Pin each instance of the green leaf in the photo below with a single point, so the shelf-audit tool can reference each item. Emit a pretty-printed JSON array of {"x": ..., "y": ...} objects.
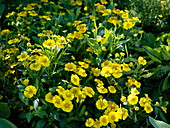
[
  {"x": 6, "y": 124},
  {"x": 55, "y": 115},
  {"x": 40, "y": 124},
  {"x": 4, "y": 110},
  {"x": 153, "y": 54},
  {"x": 151, "y": 39},
  {"x": 2, "y": 7},
  {"x": 23, "y": 98},
  {"x": 82, "y": 111},
  {"x": 158, "y": 124},
  {"x": 63, "y": 120},
  {"x": 166, "y": 83},
  {"x": 29, "y": 116}
]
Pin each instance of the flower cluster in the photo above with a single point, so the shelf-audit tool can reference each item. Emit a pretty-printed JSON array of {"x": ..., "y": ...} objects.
[{"x": 73, "y": 66}]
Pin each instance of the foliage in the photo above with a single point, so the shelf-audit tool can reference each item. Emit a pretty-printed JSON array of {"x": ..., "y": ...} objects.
[
  {"x": 4, "y": 113},
  {"x": 73, "y": 64}
]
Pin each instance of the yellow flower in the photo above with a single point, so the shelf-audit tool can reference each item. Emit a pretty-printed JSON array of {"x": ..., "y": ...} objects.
[
  {"x": 128, "y": 25},
  {"x": 103, "y": 1},
  {"x": 23, "y": 56},
  {"x": 148, "y": 108},
  {"x": 102, "y": 90},
  {"x": 82, "y": 72},
  {"x": 30, "y": 91},
  {"x": 67, "y": 106},
  {"x": 117, "y": 74},
  {"x": 44, "y": 61},
  {"x": 141, "y": 60},
  {"x": 60, "y": 90},
  {"x": 49, "y": 97},
  {"x": 89, "y": 122},
  {"x": 81, "y": 28},
  {"x": 132, "y": 99},
  {"x": 88, "y": 91},
  {"x": 78, "y": 35},
  {"x": 106, "y": 71},
  {"x": 124, "y": 113},
  {"x": 134, "y": 91},
  {"x": 5, "y": 32},
  {"x": 57, "y": 101},
  {"x": 70, "y": 67},
  {"x": 96, "y": 71},
  {"x": 83, "y": 64},
  {"x": 104, "y": 120},
  {"x": 68, "y": 95},
  {"x": 101, "y": 104},
  {"x": 26, "y": 81},
  {"x": 35, "y": 66},
  {"x": 96, "y": 124},
  {"x": 75, "y": 79},
  {"x": 112, "y": 89},
  {"x": 164, "y": 109},
  {"x": 33, "y": 57},
  {"x": 123, "y": 99},
  {"x": 49, "y": 43},
  {"x": 160, "y": 16},
  {"x": 125, "y": 67},
  {"x": 75, "y": 90},
  {"x": 112, "y": 117},
  {"x": 142, "y": 101}
]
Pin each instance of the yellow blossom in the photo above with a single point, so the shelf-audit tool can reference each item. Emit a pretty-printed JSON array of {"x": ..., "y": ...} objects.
[
  {"x": 132, "y": 99},
  {"x": 112, "y": 89},
  {"x": 101, "y": 104},
  {"x": 89, "y": 122},
  {"x": 75, "y": 79},
  {"x": 141, "y": 60},
  {"x": 35, "y": 66},
  {"x": 70, "y": 66},
  {"x": 68, "y": 95},
  {"x": 88, "y": 91},
  {"x": 30, "y": 91},
  {"x": 44, "y": 61},
  {"x": 67, "y": 106},
  {"x": 104, "y": 120},
  {"x": 57, "y": 101},
  {"x": 49, "y": 97}
]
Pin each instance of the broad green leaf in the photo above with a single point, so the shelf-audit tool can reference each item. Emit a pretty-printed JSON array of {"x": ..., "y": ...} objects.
[
  {"x": 29, "y": 116},
  {"x": 2, "y": 7},
  {"x": 4, "y": 110},
  {"x": 158, "y": 124},
  {"x": 82, "y": 111},
  {"x": 40, "y": 124},
  {"x": 153, "y": 54},
  {"x": 166, "y": 83},
  {"x": 6, "y": 124}
]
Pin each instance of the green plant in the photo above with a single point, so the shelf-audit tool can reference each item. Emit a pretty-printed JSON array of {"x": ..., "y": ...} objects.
[{"x": 4, "y": 113}]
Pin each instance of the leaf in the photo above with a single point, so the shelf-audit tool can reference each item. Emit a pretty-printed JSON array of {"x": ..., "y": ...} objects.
[
  {"x": 82, "y": 111},
  {"x": 4, "y": 110},
  {"x": 55, "y": 115},
  {"x": 6, "y": 124},
  {"x": 29, "y": 116},
  {"x": 2, "y": 7},
  {"x": 166, "y": 83},
  {"x": 40, "y": 124},
  {"x": 63, "y": 120},
  {"x": 158, "y": 124},
  {"x": 151, "y": 39},
  {"x": 153, "y": 54},
  {"x": 23, "y": 99}
]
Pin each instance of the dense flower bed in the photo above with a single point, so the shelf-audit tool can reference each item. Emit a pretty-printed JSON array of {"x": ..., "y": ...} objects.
[{"x": 72, "y": 65}]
